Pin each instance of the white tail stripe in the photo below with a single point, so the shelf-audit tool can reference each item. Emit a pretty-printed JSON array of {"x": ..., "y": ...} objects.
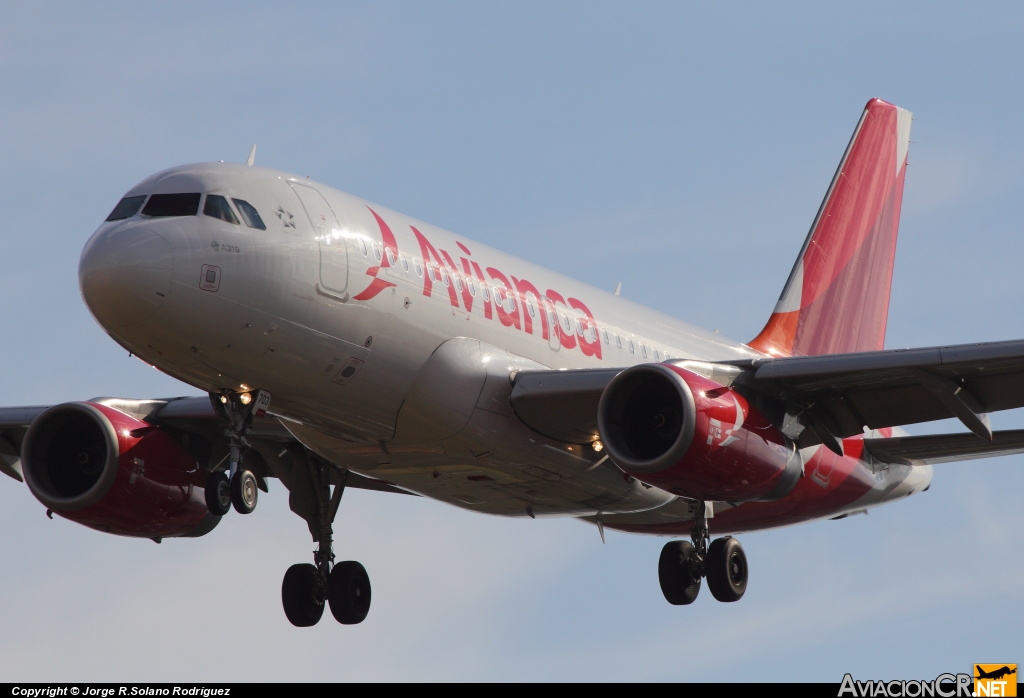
[{"x": 903, "y": 119}]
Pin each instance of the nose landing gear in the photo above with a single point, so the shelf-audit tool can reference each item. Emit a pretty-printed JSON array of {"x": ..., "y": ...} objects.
[
  {"x": 683, "y": 564},
  {"x": 238, "y": 487}
]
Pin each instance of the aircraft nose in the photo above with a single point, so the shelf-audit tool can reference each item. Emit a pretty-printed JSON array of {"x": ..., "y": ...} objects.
[{"x": 125, "y": 273}]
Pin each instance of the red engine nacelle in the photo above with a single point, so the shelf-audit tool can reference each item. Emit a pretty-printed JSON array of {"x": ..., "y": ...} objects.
[
  {"x": 680, "y": 431},
  {"x": 105, "y": 469}
]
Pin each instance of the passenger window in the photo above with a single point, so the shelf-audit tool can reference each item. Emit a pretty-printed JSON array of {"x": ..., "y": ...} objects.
[
  {"x": 167, "y": 205},
  {"x": 530, "y": 308},
  {"x": 391, "y": 256},
  {"x": 618, "y": 341},
  {"x": 630, "y": 343},
  {"x": 566, "y": 323},
  {"x": 643, "y": 350},
  {"x": 444, "y": 277},
  {"x": 432, "y": 274},
  {"x": 510, "y": 303},
  {"x": 217, "y": 207},
  {"x": 458, "y": 282},
  {"x": 376, "y": 250},
  {"x": 404, "y": 260},
  {"x": 657, "y": 356},
  {"x": 249, "y": 214},
  {"x": 604, "y": 336},
  {"x": 483, "y": 291},
  {"x": 362, "y": 246},
  {"x": 589, "y": 334},
  {"x": 472, "y": 287},
  {"x": 418, "y": 266},
  {"x": 126, "y": 208}
]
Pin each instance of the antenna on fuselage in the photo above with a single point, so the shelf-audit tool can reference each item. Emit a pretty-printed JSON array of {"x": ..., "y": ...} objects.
[
  {"x": 252, "y": 156},
  {"x": 618, "y": 286}
]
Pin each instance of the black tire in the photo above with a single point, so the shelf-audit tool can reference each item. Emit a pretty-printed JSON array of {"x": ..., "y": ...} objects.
[
  {"x": 678, "y": 583},
  {"x": 218, "y": 493},
  {"x": 348, "y": 591},
  {"x": 303, "y": 602},
  {"x": 726, "y": 569},
  {"x": 244, "y": 491}
]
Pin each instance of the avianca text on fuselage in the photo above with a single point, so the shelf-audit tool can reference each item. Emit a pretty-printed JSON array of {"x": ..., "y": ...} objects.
[{"x": 509, "y": 298}]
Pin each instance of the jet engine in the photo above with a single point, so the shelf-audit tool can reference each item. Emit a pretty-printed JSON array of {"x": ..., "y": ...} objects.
[
  {"x": 676, "y": 429},
  {"x": 102, "y": 468}
]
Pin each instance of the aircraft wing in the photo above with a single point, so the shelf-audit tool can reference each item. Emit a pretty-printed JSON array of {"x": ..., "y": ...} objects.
[
  {"x": 944, "y": 448},
  {"x": 825, "y": 398},
  {"x": 838, "y": 395},
  {"x": 184, "y": 415}
]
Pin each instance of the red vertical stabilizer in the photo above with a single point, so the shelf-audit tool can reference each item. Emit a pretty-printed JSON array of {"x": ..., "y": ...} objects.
[{"x": 837, "y": 297}]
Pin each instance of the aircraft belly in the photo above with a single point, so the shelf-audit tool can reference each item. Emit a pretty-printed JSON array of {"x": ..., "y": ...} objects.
[
  {"x": 829, "y": 489},
  {"x": 494, "y": 465}
]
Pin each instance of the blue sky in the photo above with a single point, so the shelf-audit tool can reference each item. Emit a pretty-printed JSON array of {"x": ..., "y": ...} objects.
[{"x": 681, "y": 148}]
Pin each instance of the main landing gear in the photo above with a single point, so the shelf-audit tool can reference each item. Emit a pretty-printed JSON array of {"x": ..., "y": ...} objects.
[
  {"x": 238, "y": 486},
  {"x": 683, "y": 564},
  {"x": 345, "y": 586}
]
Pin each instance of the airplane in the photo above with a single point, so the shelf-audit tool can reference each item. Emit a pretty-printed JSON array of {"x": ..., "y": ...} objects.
[
  {"x": 339, "y": 344},
  {"x": 996, "y": 673}
]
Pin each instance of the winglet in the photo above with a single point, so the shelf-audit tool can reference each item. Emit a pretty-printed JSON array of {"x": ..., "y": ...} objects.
[
  {"x": 252, "y": 156},
  {"x": 837, "y": 297}
]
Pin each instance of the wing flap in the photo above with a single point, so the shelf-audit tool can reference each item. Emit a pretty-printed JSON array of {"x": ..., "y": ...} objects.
[{"x": 944, "y": 448}]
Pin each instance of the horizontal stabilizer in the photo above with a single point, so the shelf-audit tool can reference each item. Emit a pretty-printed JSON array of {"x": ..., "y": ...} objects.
[{"x": 944, "y": 448}]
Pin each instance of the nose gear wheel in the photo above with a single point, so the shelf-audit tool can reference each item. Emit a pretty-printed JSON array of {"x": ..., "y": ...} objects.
[
  {"x": 244, "y": 491},
  {"x": 218, "y": 493}
]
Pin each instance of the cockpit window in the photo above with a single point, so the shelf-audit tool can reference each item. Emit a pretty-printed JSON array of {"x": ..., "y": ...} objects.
[
  {"x": 172, "y": 205},
  {"x": 126, "y": 208},
  {"x": 218, "y": 207},
  {"x": 249, "y": 214}
]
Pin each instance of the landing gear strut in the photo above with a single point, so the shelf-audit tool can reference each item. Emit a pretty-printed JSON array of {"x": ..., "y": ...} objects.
[
  {"x": 238, "y": 487},
  {"x": 344, "y": 586},
  {"x": 683, "y": 564}
]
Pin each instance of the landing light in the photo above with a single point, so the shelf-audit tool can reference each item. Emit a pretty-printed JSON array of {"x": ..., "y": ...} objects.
[
  {"x": 224, "y": 399},
  {"x": 245, "y": 398},
  {"x": 597, "y": 446}
]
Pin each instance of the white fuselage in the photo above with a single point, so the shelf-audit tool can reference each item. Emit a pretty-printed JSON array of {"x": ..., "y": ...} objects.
[{"x": 386, "y": 343}]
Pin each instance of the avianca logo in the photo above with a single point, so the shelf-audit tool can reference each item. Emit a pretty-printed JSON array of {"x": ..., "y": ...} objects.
[
  {"x": 378, "y": 284},
  {"x": 727, "y": 436},
  {"x": 515, "y": 302}
]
